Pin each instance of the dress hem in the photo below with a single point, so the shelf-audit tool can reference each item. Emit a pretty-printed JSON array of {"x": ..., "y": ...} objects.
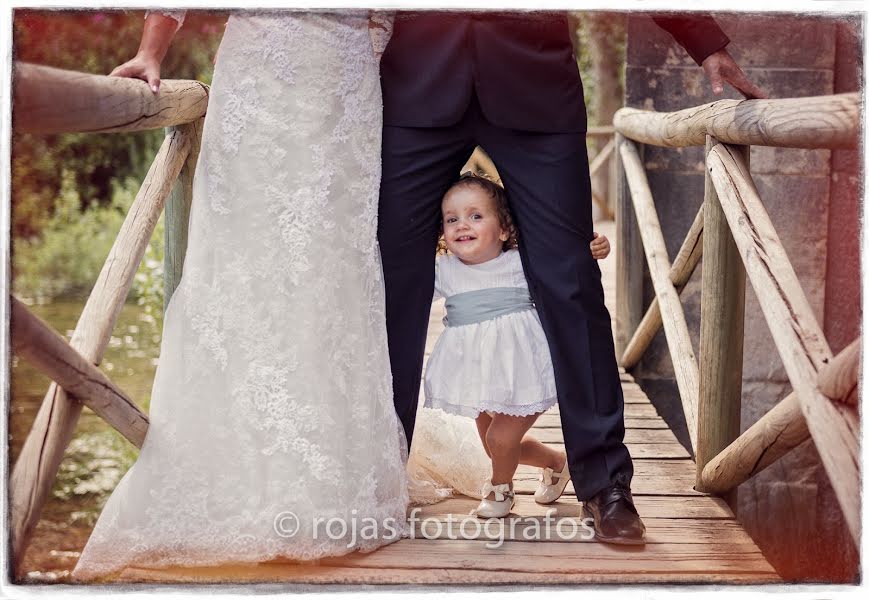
[{"x": 522, "y": 410}]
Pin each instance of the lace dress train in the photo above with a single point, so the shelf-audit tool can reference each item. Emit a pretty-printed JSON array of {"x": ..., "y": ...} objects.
[{"x": 272, "y": 403}]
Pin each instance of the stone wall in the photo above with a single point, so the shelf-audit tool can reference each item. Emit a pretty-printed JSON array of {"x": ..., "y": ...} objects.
[{"x": 812, "y": 198}]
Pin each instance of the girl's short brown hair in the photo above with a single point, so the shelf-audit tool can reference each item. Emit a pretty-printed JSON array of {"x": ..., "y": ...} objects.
[{"x": 502, "y": 207}]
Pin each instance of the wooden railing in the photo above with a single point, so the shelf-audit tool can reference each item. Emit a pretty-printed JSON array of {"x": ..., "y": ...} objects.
[
  {"x": 91, "y": 104},
  {"x": 48, "y": 100},
  {"x": 735, "y": 237},
  {"x": 731, "y": 230}
]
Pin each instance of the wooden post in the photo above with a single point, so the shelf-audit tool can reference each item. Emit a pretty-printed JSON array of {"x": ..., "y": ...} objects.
[
  {"x": 675, "y": 326},
  {"x": 840, "y": 378},
  {"x": 629, "y": 260},
  {"x": 47, "y": 350},
  {"x": 177, "y": 212},
  {"x": 613, "y": 183},
  {"x": 683, "y": 267},
  {"x": 795, "y": 330},
  {"x": 53, "y": 428},
  {"x": 599, "y": 195},
  {"x": 772, "y": 436},
  {"x": 722, "y": 316}
]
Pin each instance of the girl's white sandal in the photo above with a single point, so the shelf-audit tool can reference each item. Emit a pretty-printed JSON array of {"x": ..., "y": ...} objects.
[
  {"x": 548, "y": 492},
  {"x": 500, "y": 506}
]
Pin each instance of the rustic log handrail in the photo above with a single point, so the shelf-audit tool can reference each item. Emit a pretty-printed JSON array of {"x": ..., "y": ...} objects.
[
  {"x": 778, "y": 431},
  {"x": 795, "y": 331},
  {"x": 722, "y": 316},
  {"x": 683, "y": 267},
  {"x": 600, "y": 130},
  {"x": 36, "y": 468},
  {"x": 49, "y": 352},
  {"x": 740, "y": 243},
  {"x": 599, "y": 160},
  {"x": 815, "y": 122},
  {"x": 825, "y": 388},
  {"x": 675, "y": 326},
  {"x": 49, "y": 100},
  {"x": 838, "y": 380}
]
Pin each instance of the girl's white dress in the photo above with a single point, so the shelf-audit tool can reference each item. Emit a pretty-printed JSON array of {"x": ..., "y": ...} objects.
[{"x": 499, "y": 365}]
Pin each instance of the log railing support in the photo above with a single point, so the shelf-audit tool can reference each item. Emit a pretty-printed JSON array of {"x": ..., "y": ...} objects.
[
  {"x": 772, "y": 436},
  {"x": 683, "y": 267},
  {"x": 675, "y": 325},
  {"x": 795, "y": 331},
  {"x": 599, "y": 160},
  {"x": 825, "y": 391},
  {"x": 780, "y": 430},
  {"x": 47, "y": 350},
  {"x": 839, "y": 379},
  {"x": 42, "y": 452},
  {"x": 722, "y": 314},
  {"x": 177, "y": 212},
  {"x": 629, "y": 261}
]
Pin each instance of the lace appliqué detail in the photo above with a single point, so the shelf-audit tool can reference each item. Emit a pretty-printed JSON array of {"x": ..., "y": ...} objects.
[
  {"x": 380, "y": 25},
  {"x": 274, "y": 390}
]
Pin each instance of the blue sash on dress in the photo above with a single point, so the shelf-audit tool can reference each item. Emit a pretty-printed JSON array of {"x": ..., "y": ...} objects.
[{"x": 482, "y": 305}]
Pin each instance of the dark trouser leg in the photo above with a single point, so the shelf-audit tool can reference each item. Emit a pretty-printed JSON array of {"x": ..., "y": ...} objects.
[
  {"x": 547, "y": 182},
  {"x": 419, "y": 164}
]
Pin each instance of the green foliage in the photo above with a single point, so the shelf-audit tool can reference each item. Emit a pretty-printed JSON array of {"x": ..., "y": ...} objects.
[
  {"x": 581, "y": 33},
  {"x": 96, "y": 41},
  {"x": 148, "y": 282},
  {"x": 69, "y": 190},
  {"x": 68, "y": 255},
  {"x": 606, "y": 32},
  {"x": 65, "y": 260},
  {"x": 92, "y": 164}
]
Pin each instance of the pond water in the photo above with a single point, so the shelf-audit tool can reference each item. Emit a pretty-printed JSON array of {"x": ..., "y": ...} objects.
[{"x": 98, "y": 456}]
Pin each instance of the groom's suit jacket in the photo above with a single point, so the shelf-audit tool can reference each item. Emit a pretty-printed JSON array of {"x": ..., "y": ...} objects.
[{"x": 522, "y": 67}]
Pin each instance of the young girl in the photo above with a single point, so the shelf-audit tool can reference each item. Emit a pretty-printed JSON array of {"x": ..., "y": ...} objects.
[{"x": 492, "y": 361}]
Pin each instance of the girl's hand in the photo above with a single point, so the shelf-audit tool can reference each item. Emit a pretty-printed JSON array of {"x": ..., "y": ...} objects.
[
  {"x": 140, "y": 67},
  {"x": 600, "y": 246}
]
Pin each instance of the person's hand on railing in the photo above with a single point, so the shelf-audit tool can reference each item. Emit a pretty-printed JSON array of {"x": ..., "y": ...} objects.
[
  {"x": 720, "y": 68},
  {"x": 156, "y": 38},
  {"x": 141, "y": 67}
]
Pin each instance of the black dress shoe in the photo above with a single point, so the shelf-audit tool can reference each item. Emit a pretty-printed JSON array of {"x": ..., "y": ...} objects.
[{"x": 616, "y": 520}]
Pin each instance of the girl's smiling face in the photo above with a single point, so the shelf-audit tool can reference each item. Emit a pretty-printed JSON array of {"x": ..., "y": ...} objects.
[{"x": 472, "y": 229}]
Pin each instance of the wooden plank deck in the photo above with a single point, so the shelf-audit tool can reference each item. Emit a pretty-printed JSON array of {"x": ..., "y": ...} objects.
[{"x": 691, "y": 537}]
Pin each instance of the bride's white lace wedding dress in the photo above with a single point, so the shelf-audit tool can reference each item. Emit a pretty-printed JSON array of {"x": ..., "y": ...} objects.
[{"x": 273, "y": 393}]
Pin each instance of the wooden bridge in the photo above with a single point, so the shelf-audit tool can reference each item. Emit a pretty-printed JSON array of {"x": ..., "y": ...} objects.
[{"x": 692, "y": 536}]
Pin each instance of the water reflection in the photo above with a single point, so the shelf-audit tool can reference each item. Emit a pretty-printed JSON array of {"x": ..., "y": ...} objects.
[{"x": 98, "y": 456}]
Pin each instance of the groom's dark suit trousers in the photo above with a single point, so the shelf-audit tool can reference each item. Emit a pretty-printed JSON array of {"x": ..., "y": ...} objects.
[
  {"x": 511, "y": 85},
  {"x": 546, "y": 175}
]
